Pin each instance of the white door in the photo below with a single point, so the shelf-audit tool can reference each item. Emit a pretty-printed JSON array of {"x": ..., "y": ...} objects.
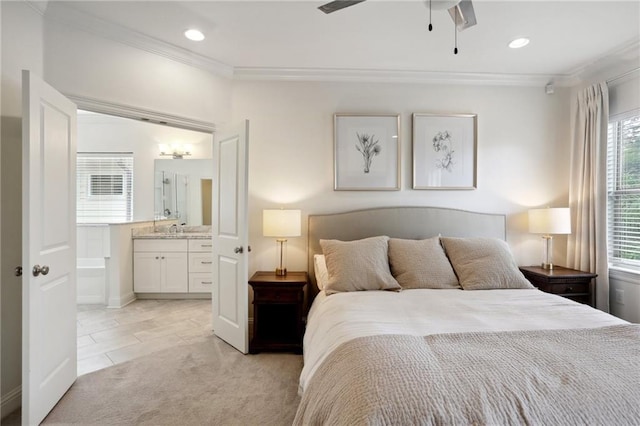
[
  {"x": 230, "y": 228},
  {"x": 48, "y": 247}
]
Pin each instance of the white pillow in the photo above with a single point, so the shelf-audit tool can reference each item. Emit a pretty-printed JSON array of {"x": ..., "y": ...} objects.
[{"x": 320, "y": 268}]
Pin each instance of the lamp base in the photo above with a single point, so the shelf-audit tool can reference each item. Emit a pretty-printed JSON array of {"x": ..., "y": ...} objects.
[
  {"x": 548, "y": 266},
  {"x": 281, "y": 272}
]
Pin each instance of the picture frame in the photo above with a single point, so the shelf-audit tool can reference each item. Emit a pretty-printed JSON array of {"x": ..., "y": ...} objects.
[
  {"x": 444, "y": 151},
  {"x": 366, "y": 152}
]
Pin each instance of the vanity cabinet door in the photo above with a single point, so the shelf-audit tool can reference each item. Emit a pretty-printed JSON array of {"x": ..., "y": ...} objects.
[
  {"x": 175, "y": 273},
  {"x": 146, "y": 272}
]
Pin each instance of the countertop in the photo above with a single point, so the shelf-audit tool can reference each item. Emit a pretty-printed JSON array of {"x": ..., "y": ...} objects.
[{"x": 173, "y": 236}]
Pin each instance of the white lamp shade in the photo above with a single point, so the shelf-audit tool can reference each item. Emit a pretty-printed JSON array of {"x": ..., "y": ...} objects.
[
  {"x": 550, "y": 221},
  {"x": 281, "y": 223}
]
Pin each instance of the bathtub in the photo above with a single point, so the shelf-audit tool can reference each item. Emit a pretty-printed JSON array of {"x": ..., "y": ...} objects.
[{"x": 92, "y": 282}]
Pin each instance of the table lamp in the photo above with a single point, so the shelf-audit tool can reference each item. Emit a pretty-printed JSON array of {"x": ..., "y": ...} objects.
[
  {"x": 280, "y": 224},
  {"x": 547, "y": 222}
]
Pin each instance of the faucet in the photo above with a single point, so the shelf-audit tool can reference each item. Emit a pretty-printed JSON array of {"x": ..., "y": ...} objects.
[
  {"x": 181, "y": 227},
  {"x": 173, "y": 229}
]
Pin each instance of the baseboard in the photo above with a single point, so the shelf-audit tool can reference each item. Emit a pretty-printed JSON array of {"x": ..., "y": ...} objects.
[
  {"x": 121, "y": 301},
  {"x": 173, "y": 296},
  {"x": 11, "y": 401}
]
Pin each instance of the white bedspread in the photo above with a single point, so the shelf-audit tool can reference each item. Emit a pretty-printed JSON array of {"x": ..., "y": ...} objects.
[{"x": 341, "y": 317}]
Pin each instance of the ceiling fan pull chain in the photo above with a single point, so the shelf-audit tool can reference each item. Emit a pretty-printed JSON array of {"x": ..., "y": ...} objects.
[
  {"x": 455, "y": 33},
  {"x": 430, "y": 26}
]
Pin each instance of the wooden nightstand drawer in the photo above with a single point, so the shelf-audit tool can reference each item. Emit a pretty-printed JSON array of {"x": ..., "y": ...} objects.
[
  {"x": 569, "y": 288},
  {"x": 276, "y": 295},
  {"x": 569, "y": 283}
]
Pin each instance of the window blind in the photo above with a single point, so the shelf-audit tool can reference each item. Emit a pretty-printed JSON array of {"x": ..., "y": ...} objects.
[
  {"x": 104, "y": 187},
  {"x": 623, "y": 189}
]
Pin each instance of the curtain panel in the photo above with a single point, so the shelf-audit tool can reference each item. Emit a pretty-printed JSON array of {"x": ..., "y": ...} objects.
[{"x": 587, "y": 248}]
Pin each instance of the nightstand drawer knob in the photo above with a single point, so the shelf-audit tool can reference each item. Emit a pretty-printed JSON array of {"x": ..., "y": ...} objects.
[{"x": 569, "y": 290}]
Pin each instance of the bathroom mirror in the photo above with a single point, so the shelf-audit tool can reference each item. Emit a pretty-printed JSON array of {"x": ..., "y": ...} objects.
[{"x": 182, "y": 190}]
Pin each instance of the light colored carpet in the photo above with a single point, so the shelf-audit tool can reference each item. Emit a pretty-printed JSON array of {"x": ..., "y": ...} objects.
[{"x": 206, "y": 383}]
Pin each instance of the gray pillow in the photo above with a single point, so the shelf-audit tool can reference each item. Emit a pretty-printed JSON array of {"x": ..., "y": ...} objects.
[
  {"x": 421, "y": 264},
  {"x": 358, "y": 265},
  {"x": 484, "y": 263}
]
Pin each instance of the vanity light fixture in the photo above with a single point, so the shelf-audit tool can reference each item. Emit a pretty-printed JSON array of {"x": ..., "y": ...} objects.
[
  {"x": 176, "y": 151},
  {"x": 518, "y": 43},
  {"x": 194, "y": 35}
]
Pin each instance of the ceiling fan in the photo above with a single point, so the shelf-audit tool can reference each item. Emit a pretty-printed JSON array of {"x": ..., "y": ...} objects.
[{"x": 461, "y": 11}]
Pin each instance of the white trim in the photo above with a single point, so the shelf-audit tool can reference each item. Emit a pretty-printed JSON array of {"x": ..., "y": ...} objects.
[
  {"x": 629, "y": 276},
  {"x": 387, "y": 76},
  {"x": 11, "y": 401},
  {"x": 121, "y": 302},
  {"x": 595, "y": 68},
  {"x": 120, "y": 110}
]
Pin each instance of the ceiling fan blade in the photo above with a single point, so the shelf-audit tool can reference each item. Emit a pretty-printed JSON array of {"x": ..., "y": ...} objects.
[
  {"x": 463, "y": 14},
  {"x": 337, "y": 5}
]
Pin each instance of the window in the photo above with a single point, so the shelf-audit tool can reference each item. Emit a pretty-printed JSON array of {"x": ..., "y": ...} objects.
[
  {"x": 104, "y": 187},
  {"x": 623, "y": 189}
]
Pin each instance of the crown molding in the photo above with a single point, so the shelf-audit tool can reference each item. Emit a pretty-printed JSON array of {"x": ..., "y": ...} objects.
[
  {"x": 140, "y": 114},
  {"x": 625, "y": 56},
  {"x": 111, "y": 31},
  {"x": 387, "y": 76}
]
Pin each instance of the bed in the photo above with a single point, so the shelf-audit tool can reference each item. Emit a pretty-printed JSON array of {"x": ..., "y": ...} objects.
[{"x": 462, "y": 353}]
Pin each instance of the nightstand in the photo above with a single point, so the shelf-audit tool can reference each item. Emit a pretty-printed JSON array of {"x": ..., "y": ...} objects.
[
  {"x": 565, "y": 282},
  {"x": 278, "y": 305}
]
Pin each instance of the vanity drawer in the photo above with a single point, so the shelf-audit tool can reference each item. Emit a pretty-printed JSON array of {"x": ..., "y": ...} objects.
[
  {"x": 200, "y": 282},
  {"x": 200, "y": 245},
  {"x": 200, "y": 262},
  {"x": 159, "y": 245}
]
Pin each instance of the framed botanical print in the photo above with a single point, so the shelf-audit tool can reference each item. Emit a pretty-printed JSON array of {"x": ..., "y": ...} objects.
[
  {"x": 444, "y": 151},
  {"x": 366, "y": 152}
]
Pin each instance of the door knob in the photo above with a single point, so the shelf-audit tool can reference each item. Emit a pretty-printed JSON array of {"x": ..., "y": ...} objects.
[
  {"x": 238, "y": 250},
  {"x": 37, "y": 270},
  {"x": 18, "y": 271}
]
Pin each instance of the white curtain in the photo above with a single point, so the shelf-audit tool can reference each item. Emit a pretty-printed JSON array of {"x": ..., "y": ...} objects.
[{"x": 587, "y": 248}]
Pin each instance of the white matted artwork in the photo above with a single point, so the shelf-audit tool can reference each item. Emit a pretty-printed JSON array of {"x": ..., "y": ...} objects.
[
  {"x": 444, "y": 151},
  {"x": 366, "y": 152}
]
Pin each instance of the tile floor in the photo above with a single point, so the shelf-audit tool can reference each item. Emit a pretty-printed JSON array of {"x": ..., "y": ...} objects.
[{"x": 111, "y": 336}]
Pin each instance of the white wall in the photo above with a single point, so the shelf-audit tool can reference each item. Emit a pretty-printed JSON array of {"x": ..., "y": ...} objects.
[
  {"x": 523, "y": 153},
  {"x": 121, "y": 74},
  {"x": 103, "y": 133},
  {"x": 22, "y": 48}
]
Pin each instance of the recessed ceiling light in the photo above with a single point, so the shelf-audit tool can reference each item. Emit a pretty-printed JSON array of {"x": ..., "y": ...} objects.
[
  {"x": 194, "y": 35},
  {"x": 518, "y": 43}
]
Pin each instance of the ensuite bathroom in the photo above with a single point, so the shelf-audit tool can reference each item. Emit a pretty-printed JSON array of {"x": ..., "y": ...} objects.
[{"x": 137, "y": 180}]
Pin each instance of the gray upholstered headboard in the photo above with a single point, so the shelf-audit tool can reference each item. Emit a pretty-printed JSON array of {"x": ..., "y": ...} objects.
[{"x": 399, "y": 222}]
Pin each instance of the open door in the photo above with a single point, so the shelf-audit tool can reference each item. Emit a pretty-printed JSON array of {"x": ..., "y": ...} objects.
[
  {"x": 230, "y": 229},
  {"x": 48, "y": 247}
]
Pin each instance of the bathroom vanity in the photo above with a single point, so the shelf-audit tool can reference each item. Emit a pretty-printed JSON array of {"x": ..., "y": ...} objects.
[{"x": 178, "y": 263}]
